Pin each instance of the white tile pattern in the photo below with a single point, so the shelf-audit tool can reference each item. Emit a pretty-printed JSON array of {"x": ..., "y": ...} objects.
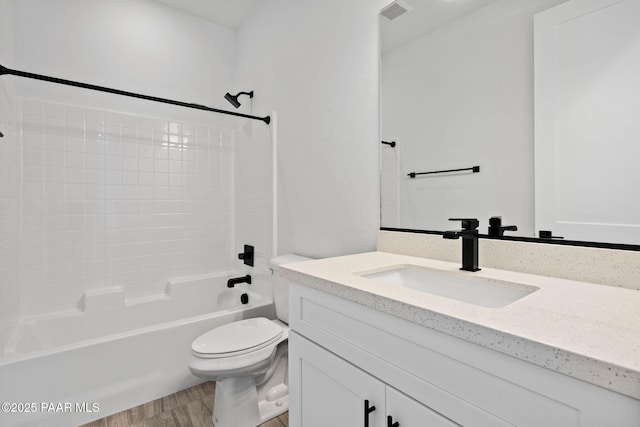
[
  {"x": 112, "y": 199},
  {"x": 9, "y": 211}
]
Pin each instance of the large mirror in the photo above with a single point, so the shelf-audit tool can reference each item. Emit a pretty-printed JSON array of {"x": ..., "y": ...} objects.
[{"x": 531, "y": 105}]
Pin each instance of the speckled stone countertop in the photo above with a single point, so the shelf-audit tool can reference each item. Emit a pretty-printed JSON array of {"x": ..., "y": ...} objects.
[{"x": 587, "y": 331}]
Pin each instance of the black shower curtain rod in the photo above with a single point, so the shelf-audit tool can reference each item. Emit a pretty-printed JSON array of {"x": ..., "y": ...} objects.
[{"x": 5, "y": 70}]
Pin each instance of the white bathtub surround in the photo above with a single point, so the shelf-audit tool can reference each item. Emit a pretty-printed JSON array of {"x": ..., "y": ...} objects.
[
  {"x": 109, "y": 314},
  {"x": 111, "y": 199},
  {"x": 9, "y": 213},
  {"x": 113, "y": 205},
  {"x": 253, "y": 194},
  {"x": 610, "y": 267},
  {"x": 121, "y": 357},
  {"x": 582, "y": 330},
  {"x": 102, "y": 299}
]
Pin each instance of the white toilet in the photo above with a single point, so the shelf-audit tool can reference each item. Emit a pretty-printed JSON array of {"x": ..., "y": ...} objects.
[{"x": 248, "y": 360}]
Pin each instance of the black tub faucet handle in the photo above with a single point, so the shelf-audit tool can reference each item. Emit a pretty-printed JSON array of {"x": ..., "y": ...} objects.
[{"x": 247, "y": 256}]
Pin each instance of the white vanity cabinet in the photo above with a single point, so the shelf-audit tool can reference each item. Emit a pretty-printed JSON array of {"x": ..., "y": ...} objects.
[
  {"x": 344, "y": 356},
  {"x": 333, "y": 392}
]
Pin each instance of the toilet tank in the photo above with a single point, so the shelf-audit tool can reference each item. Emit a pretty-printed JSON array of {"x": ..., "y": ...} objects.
[{"x": 281, "y": 285}]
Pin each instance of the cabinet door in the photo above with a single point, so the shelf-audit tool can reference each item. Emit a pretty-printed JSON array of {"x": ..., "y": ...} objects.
[
  {"x": 409, "y": 413},
  {"x": 326, "y": 391}
]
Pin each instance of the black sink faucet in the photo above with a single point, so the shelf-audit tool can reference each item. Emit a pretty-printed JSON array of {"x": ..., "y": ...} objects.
[
  {"x": 236, "y": 280},
  {"x": 496, "y": 229},
  {"x": 469, "y": 234}
]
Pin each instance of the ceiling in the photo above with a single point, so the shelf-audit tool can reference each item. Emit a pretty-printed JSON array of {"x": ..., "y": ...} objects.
[
  {"x": 427, "y": 16},
  {"x": 229, "y": 13}
]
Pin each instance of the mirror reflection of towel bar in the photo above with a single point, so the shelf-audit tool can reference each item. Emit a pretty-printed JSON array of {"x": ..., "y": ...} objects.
[{"x": 474, "y": 169}]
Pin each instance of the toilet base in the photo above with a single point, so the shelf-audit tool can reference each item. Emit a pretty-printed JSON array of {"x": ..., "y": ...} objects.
[{"x": 248, "y": 401}]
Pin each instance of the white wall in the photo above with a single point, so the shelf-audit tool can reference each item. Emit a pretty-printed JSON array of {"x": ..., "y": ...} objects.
[
  {"x": 6, "y": 33},
  {"x": 459, "y": 97},
  {"x": 317, "y": 64},
  {"x": 137, "y": 45}
]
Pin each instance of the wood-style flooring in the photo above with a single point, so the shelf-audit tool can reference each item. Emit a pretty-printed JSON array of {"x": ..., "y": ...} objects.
[{"x": 187, "y": 408}]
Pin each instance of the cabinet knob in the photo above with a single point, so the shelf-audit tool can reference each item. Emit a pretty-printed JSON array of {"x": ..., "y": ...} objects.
[
  {"x": 390, "y": 422},
  {"x": 367, "y": 410}
]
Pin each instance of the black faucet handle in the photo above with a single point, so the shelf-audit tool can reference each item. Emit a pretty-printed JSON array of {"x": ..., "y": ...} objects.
[
  {"x": 247, "y": 255},
  {"x": 496, "y": 229},
  {"x": 467, "y": 223},
  {"x": 495, "y": 221}
]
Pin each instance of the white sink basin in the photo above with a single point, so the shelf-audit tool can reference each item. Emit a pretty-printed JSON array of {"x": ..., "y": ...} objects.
[{"x": 475, "y": 290}]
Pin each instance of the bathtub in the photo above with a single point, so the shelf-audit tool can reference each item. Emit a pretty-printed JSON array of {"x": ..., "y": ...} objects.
[{"x": 80, "y": 366}]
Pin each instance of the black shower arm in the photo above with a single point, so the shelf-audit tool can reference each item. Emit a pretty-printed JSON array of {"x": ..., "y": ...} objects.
[{"x": 4, "y": 70}]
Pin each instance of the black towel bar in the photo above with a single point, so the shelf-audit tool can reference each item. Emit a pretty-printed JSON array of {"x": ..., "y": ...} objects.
[{"x": 473, "y": 169}]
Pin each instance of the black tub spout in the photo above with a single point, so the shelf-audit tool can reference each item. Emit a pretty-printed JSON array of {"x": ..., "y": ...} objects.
[{"x": 237, "y": 280}]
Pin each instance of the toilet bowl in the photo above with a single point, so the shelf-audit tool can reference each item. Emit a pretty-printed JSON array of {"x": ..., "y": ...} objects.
[{"x": 248, "y": 360}]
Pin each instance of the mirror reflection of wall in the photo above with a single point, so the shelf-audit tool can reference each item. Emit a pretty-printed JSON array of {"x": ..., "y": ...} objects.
[
  {"x": 587, "y": 97},
  {"x": 460, "y": 96}
]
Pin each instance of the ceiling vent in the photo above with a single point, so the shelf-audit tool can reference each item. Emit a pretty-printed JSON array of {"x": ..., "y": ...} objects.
[{"x": 395, "y": 9}]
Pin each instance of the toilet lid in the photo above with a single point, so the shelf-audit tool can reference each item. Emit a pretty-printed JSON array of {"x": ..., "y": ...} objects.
[{"x": 237, "y": 337}]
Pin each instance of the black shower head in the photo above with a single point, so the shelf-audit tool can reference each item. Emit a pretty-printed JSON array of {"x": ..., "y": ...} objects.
[{"x": 233, "y": 99}]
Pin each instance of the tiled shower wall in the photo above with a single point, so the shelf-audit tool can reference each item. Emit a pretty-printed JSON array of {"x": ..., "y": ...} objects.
[
  {"x": 116, "y": 200},
  {"x": 9, "y": 210}
]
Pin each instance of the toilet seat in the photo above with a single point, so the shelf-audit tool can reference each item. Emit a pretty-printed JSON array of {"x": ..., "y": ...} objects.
[
  {"x": 248, "y": 361},
  {"x": 237, "y": 338}
]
